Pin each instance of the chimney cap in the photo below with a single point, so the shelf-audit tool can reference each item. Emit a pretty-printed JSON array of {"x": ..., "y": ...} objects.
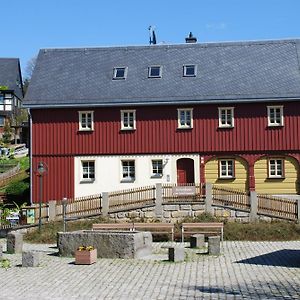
[{"x": 191, "y": 38}]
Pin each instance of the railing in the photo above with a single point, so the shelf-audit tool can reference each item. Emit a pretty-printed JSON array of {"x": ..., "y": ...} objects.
[
  {"x": 6, "y": 177},
  {"x": 187, "y": 193},
  {"x": 277, "y": 207},
  {"x": 232, "y": 198},
  {"x": 131, "y": 198},
  {"x": 78, "y": 207}
]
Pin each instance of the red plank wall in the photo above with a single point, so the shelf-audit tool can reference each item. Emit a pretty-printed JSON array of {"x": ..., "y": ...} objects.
[{"x": 56, "y": 139}]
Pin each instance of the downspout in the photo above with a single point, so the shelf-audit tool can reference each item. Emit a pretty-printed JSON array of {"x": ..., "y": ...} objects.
[{"x": 30, "y": 154}]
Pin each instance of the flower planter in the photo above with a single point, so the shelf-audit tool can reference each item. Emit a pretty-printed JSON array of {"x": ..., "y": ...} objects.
[{"x": 85, "y": 257}]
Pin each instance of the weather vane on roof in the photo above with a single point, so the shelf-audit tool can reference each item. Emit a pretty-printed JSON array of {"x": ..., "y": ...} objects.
[{"x": 152, "y": 40}]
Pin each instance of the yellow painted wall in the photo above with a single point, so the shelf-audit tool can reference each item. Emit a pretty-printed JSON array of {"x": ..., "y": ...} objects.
[
  {"x": 240, "y": 181},
  {"x": 288, "y": 185}
]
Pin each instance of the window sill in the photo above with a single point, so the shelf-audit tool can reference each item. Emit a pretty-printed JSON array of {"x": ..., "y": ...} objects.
[
  {"x": 87, "y": 181},
  {"x": 226, "y": 127},
  {"x": 275, "y": 177},
  {"x": 86, "y": 130},
  {"x": 156, "y": 176},
  {"x": 127, "y": 180},
  {"x": 275, "y": 126},
  {"x": 226, "y": 178},
  {"x": 128, "y": 129},
  {"x": 184, "y": 128}
]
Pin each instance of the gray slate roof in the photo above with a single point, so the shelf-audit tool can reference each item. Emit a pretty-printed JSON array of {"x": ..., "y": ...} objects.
[
  {"x": 233, "y": 71},
  {"x": 10, "y": 75}
]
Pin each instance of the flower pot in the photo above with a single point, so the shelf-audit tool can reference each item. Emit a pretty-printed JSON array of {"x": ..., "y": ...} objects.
[{"x": 85, "y": 257}]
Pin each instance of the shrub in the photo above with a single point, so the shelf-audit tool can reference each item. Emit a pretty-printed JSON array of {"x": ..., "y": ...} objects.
[{"x": 17, "y": 191}]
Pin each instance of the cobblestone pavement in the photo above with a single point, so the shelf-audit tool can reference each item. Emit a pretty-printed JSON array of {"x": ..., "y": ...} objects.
[{"x": 244, "y": 270}]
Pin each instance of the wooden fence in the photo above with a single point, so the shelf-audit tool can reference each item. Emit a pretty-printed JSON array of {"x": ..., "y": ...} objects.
[
  {"x": 232, "y": 198},
  {"x": 6, "y": 177},
  {"x": 80, "y": 207},
  {"x": 279, "y": 207},
  {"x": 187, "y": 193},
  {"x": 131, "y": 198}
]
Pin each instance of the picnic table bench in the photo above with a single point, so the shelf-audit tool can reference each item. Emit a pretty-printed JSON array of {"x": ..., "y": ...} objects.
[
  {"x": 155, "y": 228},
  {"x": 206, "y": 228}
]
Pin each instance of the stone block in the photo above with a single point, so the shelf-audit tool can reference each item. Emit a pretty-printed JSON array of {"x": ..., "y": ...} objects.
[
  {"x": 241, "y": 214},
  {"x": 30, "y": 259},
  {"x": 197, "y": 241},
  {"x": 132, "y": 214},
  {"x": 171, "y": 207},
  {"x": 120, "y": 215},
  {"x": 149, "y": 214},
  {"x": 180, "y": 214},
  {"x": 167, "y": 214},
  {"x": 14, "y": 242},
  {"x": 176, "y": 254},
  {"x": 185, "y": 207},
  {"x": 109, "y": 244},
  {"x": 214, "y": 245},
  {"x": 198, "y": 207}
]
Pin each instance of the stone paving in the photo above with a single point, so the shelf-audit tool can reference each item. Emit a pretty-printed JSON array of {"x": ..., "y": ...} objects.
[{"x": 244, "y": 270}]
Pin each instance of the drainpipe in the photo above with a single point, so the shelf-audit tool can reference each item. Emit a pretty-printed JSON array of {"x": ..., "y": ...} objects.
[{"x": 30, "y": 154}]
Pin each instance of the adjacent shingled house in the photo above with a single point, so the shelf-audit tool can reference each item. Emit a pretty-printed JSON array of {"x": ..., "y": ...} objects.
[
  {"x": 11, "y": 90},
  {"x": 110, "y": 118}
]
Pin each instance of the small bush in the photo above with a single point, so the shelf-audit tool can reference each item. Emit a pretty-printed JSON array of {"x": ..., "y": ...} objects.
[{"x": 18, "y": 191}]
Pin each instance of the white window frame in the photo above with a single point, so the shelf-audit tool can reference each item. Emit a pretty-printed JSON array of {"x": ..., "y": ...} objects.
[
  {"x": 155, "y": 168},
  {"x": 155, "y": 76},
  {"x": 276, "y": 168},
  {"x": 91, "y": 175},
  {"x": 274, "y": 121},
  {"x": 185, "y": 69},
  {"x": 128, "y": 170},
  {"x": 125, "y": 125},
  {"x": 85, "y": 127},
  {"x": 116, "y": 71},
  {"x": 229, "y": 122},
  {"x": 229, "y": 168},
  {"x": 185, "y": 125}
]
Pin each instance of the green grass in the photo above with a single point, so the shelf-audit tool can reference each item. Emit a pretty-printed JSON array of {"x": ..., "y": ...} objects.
[{"x": 260, "y": 231}]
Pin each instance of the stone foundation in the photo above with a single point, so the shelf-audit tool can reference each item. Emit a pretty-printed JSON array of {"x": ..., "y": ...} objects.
[{"x": 109, "y": 244}]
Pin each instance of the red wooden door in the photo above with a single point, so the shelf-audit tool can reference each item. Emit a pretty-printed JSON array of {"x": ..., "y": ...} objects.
[{"x": 185, "y": 171}]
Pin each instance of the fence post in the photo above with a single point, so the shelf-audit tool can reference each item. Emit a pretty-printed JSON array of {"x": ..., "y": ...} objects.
[
  {"x": 52, "y": 210},
  {"x": 105, "y": 204},
  {"x": 208, "y": 198},
  {"x": 298, "y": 211},
  {"x": 253, "y": 206},
  {"x": 159, "y": 200}
]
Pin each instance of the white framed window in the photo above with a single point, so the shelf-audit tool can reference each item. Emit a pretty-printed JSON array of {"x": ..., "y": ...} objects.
[
  {"x": 86, "y": 120},
  {"x": 128, "y": 170},
  {"x": 226, "y": 117},
  {"x": 2, "y": 121},
  {"x": 276, "y": 168},
  {"x": 128, "y": 120},
  {"x": 120, "y": 73},
  {"x": 226, "y": 168},
  {"x": 155, "y": 72},
  {"x": 275, "y": 115},
  {"x": 88, "y": 170},
  {"x": 157, "y": 168},
  {"x": 189, "y": 70},
  {"x": 185, "y": 118}
]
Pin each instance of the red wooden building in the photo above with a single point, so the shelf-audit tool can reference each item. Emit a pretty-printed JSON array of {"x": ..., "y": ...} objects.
[{"x": 106, "y": 119}]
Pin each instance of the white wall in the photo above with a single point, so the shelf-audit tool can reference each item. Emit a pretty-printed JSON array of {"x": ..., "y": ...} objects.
[{"x": 108, "y": 171}]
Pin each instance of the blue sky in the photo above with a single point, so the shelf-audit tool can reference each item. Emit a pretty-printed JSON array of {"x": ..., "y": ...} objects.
[{"x": 27, "y": 26}]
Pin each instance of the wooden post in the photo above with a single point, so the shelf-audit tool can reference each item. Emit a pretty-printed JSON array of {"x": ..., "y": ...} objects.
[
  {"x": 208, "y": 198},
  {"x": 298, "y": 211},
  {"x": 105, "y": 204}
]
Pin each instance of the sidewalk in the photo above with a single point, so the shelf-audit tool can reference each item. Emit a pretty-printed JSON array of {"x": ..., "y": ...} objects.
[{"x": 245, "y": 270}]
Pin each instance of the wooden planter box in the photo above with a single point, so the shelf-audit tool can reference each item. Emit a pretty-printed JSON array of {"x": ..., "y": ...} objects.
[{"x": 85, "y": 257}]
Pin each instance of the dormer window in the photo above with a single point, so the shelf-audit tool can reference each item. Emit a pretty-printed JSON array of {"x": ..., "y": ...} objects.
[
  {"x": 120, "y": 73},
  {"x": 189, "y": 70},
  {"x": 154, "y": 72}
]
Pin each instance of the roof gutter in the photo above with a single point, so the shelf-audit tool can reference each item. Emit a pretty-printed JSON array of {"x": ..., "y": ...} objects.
[{"x": 185, "y": 102}]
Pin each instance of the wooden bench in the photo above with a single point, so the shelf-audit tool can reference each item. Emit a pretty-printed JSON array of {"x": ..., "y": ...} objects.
[
  {"x": 206, "y": 228},
  {"x": 156, "y": 228},
  {"x": 113, "y": 226}
]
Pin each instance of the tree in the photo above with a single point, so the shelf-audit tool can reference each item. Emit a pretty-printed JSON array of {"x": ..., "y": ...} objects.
[
  {"x": 6, "y": 137},
  {"x": 28, "y": 72}
]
